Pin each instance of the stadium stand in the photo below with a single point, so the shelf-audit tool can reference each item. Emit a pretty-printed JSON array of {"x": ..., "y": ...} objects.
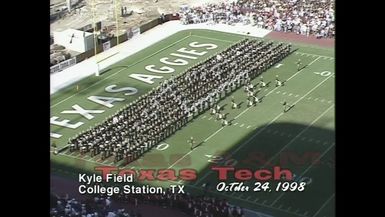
[
  {"x": 196, "y": 206},
  {"x": 312, "y": 17},
  {"x": 101, "y": 205}
]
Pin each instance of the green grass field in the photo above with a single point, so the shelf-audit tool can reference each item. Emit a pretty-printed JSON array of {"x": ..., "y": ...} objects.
[{"x": 301, "y": 139}]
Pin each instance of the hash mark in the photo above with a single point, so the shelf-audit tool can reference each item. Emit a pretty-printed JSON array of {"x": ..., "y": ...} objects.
[
  {"x": 242, "y": 125},
  {"x": 284, "y": 93},
  {"x": 204, "y": 117},
  {"x": 290, "y": 94},
  {"x": 210, "y": 118},
  {"x": 236, "y": 123},
  {"x": 297, "y": 95}
]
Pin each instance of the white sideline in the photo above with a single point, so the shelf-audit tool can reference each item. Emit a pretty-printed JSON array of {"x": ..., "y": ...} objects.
[{"x": 87, "y": 67}]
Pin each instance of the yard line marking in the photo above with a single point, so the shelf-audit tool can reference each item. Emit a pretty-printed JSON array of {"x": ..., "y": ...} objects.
[
  {"x": 176, "y": 42},
  {"x": 193, "y": 149},
  {"x": 242, "y": 125},
  {"x": 132, "y": 167},
  {"x": 213, "y": 134},
  {"x": 307, "y": 169},
  {"x": 299, "y": 134},
  {"x": 290, "y": 94},
  {"x": 323, "y": 205},
  {"x": 235, "y": 123},
  {"x": 277, "y": 87},
  {"x": 266, "y": 89},
  {"x": 247, "y": 110},
  {"x": 278, "y": 91},
  {"x": 247, "y": 141},
  {"x": 228, "y": 41},
  {"x": 284, "y": 93},
  {"x": 248, "y": 126},
  {"x": 177, "y": 161},
  {"x": 204, "y": 117},
  {"x": 297, "y": 95},
  {"x": 302, "y": 54},
  {"x": 79, "y": 158},
  {"x": 315, "y": 55},
  {"x": 210, "y": 118}
]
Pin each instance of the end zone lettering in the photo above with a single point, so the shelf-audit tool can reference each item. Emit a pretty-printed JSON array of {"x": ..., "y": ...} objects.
[
  {"x": 150, "y": 174},
  {"x": 247, "y": 174}
]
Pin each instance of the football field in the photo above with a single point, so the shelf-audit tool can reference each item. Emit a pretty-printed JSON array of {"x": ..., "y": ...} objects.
[{"x": 261, "y": 136}]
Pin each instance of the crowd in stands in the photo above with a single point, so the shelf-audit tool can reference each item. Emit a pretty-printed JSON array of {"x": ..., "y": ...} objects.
[
  {"x": 195, "y": 206},
  {"x": 156, "y": 115},
  {"x": 305, "y": 17},
  {"x": 99, "y": 206},
  {"x": 102, "y": 206}
]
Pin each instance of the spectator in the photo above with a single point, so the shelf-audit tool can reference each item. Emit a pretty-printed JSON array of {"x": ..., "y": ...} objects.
[{"x": 299, "y": 16}]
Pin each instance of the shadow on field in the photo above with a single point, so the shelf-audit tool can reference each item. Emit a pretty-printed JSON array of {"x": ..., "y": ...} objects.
[{"x": 295, "y": 147}]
